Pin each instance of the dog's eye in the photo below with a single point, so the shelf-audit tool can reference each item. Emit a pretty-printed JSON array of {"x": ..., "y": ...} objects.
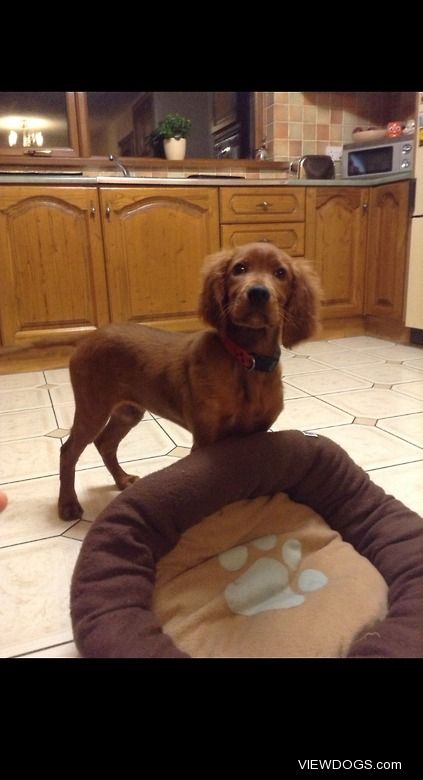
[
  {"x": 239, "y": 268},
  {"x": 280, "y": 272}
]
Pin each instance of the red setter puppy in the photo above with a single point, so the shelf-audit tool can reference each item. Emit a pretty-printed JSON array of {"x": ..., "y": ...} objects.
[{"x": 217, "y": 382}]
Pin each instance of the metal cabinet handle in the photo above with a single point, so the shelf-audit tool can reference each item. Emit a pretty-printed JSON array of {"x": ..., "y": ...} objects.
[
  {"x": 108, "y": 212},
  {"x": 264, "y": 240},
  {"x": 92, "y": 210},
  {"x": 365, "y": 207},
  {"x": 264, "y": 204}
]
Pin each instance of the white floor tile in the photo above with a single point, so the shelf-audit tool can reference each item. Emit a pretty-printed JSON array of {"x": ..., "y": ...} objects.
[
  {"x": 179, "y": 435},
  {"x": 31, "y": 512},
  {"x": 372, "y": 448},
  {"x": 316, "y": 348},
  {"x": 400, "y": 352},
  {"x": 65, "y": 414},
  {"x": 29, "y": 458},
  {"x": 89, "y": 459},
  {"x": 330, "y": 381},
  {"x": 68, "y": 650},
  {"x": 62, "y": 394},
  {"x": 363, "y": 342},
  {"x": 79, "y": 530},
  {"x": 292, "y": 392},
  {"x": 57, "y": 376},
  {"x": 301, "y": 365},
  {"x": 146, "y": 440},
  {"x": 375, "y": 403},
  {"x": 343, "y": 358},
  {"x": 19, "y": 381},
  {"x": 35, "y": 595},
  {"x": 414, "y": 389},
  {"x": 405, "y": 482},
  {"x": 386, "y": 373},
  {"x": 28, "y": 398},
  {"x": 305, "y": 414},
  {"x": 418, "y": 364},
  {"x": 408, "y": 427},
  {"x": 25, "y": 424}
]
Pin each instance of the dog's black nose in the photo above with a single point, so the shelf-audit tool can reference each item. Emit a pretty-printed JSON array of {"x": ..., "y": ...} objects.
[{"x": 258, "y": 295}]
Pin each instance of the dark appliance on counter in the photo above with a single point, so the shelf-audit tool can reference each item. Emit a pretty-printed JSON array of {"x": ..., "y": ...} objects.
[{"x": 313, "y": 166}]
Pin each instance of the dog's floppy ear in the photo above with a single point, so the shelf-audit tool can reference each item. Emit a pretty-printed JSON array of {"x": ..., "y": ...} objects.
[
  {"x": 212, "y": 298},
  {"x": 302, "y": 308}
]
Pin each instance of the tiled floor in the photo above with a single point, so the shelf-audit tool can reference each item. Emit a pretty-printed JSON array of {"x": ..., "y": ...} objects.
[{"x": 362, "y": 392}]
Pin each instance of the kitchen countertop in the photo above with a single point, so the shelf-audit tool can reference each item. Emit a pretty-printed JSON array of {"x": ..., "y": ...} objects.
[{"x": 209, "y": 181}]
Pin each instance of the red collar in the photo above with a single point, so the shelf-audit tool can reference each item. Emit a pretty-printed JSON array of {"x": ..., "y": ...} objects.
[{"x": 251, "y": 360}]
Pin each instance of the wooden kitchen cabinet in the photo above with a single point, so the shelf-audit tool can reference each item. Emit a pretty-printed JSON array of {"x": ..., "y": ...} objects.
[
  {"x": 388, "y": 223},
  {"x": 52, "y": 278},
  {"x": 336, "y": 241},
  {"x": 357, "y": 239},
  {"x": 155, "y": 241}
]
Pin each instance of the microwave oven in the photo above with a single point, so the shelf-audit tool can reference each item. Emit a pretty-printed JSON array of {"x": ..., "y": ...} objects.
[{"x": 376, "y": 158}]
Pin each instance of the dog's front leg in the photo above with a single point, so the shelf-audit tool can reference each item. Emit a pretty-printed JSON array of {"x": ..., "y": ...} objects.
[{"x": 69, "y": 506}]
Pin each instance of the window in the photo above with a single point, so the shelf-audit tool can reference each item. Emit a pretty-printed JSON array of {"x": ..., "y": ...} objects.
[{"x": 38, "y": 124}]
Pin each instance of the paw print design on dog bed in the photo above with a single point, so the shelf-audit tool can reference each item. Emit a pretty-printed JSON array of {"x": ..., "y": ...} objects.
[{"x": 267, "y": 583}]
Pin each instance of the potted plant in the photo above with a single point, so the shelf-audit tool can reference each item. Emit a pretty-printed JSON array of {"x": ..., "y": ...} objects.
[{"x": 172, "y": 131}]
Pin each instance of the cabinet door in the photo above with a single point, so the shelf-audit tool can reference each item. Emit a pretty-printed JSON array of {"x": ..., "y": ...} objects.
[
  {"x": 336, "y": 225},
  {"x": 387, "y": 250},
  {"x": 52, "y": 275},
  {"x": 155, "y": 241}
]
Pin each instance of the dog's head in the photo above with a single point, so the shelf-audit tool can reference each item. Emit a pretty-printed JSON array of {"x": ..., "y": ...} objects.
[{"x": 259, "y": 286}]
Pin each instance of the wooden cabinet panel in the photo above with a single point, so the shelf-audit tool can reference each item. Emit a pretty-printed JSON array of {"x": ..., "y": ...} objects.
[
  {"x": 156, "y": 239},
  {"x": 51, "y": 262},
  {"x": 336, "y": 231},
  {"x": 289, "y": 236},
  {"x": 387, "y": 250},
  {"x": 262, "y": 204}
]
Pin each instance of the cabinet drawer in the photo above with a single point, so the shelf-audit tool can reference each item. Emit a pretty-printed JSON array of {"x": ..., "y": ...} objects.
[
  {"x": 262, "y": 204},
  {"x": 289, "y": 236}
]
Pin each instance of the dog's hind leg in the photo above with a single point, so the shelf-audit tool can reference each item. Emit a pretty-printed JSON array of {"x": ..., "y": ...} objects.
[{"x": 123, "y": 418}]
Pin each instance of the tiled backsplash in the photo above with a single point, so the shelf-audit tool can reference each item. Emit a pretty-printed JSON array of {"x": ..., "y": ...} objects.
[
  {"x": 299, "y": 123},
  {"x": 182, "y": 173}
]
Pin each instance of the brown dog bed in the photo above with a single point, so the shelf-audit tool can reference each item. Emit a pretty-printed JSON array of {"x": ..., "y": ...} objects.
[{"x": 297, "y": 554}]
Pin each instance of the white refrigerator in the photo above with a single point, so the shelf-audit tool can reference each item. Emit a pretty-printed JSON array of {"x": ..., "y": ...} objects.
[{"x": 414, "y": 299}]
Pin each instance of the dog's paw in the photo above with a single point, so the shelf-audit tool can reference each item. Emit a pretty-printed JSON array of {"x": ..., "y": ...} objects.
[
  {"x": 125, "y": 481},
  {"x": 266, "y": 584},
  {"x": 70, "y": 510}
]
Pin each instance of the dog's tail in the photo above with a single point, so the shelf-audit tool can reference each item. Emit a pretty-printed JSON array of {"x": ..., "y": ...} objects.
[{"x": 62, "y": 341}]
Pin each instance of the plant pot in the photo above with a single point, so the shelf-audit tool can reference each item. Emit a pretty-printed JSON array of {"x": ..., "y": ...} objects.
[{"x": 175, "y": 148}]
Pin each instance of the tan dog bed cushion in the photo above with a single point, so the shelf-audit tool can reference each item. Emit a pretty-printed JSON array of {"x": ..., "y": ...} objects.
[
  {"x": 295, "y": 554},
  {"x": 266, "y": 577}
]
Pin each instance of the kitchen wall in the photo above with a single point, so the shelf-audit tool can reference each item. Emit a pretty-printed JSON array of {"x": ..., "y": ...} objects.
[{"x": 299, "y": 123}]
